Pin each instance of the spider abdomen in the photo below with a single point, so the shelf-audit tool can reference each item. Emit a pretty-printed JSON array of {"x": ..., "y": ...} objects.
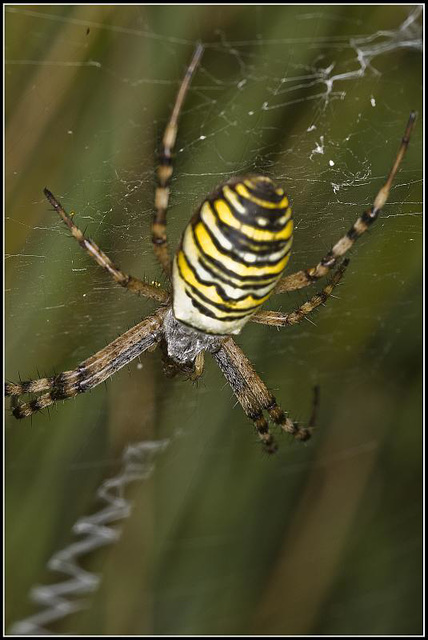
[{"x": 232, "y": 254}]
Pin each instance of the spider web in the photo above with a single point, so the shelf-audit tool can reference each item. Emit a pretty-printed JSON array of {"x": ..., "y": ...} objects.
[{"x": 210, "y": 536}]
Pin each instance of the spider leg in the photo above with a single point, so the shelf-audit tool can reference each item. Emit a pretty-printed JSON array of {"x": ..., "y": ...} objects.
[
  {"x": 277, "y": 319},
  {"x": 91, "y": 372},
  {"x": 128, "y": 282},
  {"x": 246, "y": 398},
  {"x": 254, "y": 396},
  {"x": 165, "y": 169},
  {"x": 306, "y": 277}
]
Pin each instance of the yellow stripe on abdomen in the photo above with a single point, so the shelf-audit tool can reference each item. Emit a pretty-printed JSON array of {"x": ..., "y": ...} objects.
[{"x": 232, "y": 254}]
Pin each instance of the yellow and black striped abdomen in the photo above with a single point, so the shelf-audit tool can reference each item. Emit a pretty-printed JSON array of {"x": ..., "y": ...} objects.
[{"x": 232, "y": 254}]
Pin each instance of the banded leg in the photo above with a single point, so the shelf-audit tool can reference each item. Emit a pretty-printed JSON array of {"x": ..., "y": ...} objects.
[
  {"x": 246, "y": 398},
  {"x": 165, "y": 169},
  {"x": 254, "y": 396},
  {"x": 306, "y": 277},
  {"x": 128, "y": 282},
  {"x": 277, "y": 319},
  {"x": 91, "y": 372}
]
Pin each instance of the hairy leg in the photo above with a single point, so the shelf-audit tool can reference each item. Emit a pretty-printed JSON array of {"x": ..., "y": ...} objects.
[
  {"x": 165, "y": 169},
  {"x": 306, "y": 277},
  {"x": 91, "y": 372},
  {"x": 277, "y": 319},
  {"x": 128, "y": 282},
  {"x": 254, "y": 396},
  {"x": 247, "y": 399}
]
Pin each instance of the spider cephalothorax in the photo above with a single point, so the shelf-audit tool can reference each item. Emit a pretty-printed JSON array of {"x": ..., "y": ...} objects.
[{"x": 230, "y": 261}]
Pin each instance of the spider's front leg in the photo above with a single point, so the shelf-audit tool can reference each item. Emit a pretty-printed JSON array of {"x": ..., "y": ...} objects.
[
  {"x": 303, "y": 278},
  {"x": 255, "y": 397},
  {"x": 89, "y": 373}
]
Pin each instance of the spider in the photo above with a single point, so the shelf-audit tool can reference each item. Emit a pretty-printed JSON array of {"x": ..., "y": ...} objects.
[{"x": 230, "y": 261}]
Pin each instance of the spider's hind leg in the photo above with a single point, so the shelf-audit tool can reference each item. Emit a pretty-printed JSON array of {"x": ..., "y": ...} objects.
[
  {"x": 165, "y": 168},
  {"x": 305, "y": 277}
]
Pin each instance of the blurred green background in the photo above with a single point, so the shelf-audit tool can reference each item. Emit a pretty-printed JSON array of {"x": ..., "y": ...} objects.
[{"x": 321, "y": 539}]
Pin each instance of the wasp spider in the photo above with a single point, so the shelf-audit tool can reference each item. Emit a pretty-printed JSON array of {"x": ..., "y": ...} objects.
[{"x": 230, "y": 261}]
